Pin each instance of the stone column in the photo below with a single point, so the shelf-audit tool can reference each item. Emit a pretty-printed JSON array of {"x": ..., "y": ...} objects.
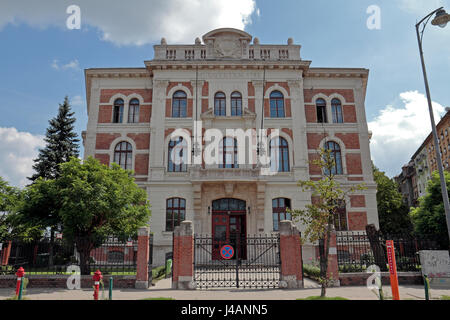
[
  {"x": 291, "y": 256},
  {"x": 183, "y": 257},
  {"x": 143, "y": 256}
]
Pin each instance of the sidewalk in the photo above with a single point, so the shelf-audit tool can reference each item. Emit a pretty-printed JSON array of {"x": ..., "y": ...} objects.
[{"x": 163, "y": 289}]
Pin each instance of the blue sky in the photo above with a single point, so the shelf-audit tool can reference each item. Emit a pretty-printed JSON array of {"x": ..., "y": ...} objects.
[{"x": 41, "y": 61}]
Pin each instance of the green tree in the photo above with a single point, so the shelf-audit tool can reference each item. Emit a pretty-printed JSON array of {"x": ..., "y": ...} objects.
[
  {"x": 96, "y": 201},
  {"x": 319, "y": 216},
  {"x": 429, "y": 217},
  {"x": 392, "y": 212},
  {"x": 11, "y": 226},
  {"x": 61, "y": 144}
]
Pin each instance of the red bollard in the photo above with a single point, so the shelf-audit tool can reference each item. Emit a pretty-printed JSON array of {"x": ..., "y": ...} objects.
[
  {"x": 97, "y": 277},
  {"x": 20, "y": 274}
]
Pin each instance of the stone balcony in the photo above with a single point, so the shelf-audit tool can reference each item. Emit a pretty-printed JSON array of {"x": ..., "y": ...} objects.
[{"x": 200, "y": 174}]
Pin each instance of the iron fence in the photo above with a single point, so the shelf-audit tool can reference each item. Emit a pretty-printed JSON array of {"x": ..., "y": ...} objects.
[
  {"x": 113, "y": 256},
  {"x": 356, "y": 251}
]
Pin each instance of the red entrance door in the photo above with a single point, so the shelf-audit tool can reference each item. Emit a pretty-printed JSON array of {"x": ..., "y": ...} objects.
[{"x": 229, "y": 227}]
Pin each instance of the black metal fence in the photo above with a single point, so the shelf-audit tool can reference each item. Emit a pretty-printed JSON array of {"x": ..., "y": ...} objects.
[
  {"x": 113, "y": 256},
  {"x": 356, "y": 251},
  {"x": 254, "y": 262}
]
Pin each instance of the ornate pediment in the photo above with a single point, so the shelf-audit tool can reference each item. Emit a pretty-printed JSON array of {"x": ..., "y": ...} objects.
[{"x": 227, "y": 43}]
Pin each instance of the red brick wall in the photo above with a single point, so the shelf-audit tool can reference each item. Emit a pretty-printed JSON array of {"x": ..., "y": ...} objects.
[
  {"x": 313, "y": 169},
  {"x": 351, "y": 140},
  {"x": 141, "y": 164},
  {"x": 314, "y": 139},
  {"x": 183, "y": 255},
  {"x": 357, "y": 201},
  {"x": 290, "y": 254},
  {"x": 105, "y": 114},
  {"x": 142, "y": 140},
  {"x": 205, "y": 89},
  {"x": 346, "y": 93},
  {"x": 349, "y": 114},
  {"x": 106, "y": 94},
  {"x": 251, "y": 90},
  {"x": 251, "y": 105},
  {"x": 103, "y": 140},
  {"x": 145, "y": 114},
  {"x": 174, "y": 84},
  {"x": 205, "y": 105},
  {"x": 354, "y": 165},
  {"x": 310, "y": 114},
  {"x": 103, "y": 158},
  {"x": 357, "y": 220}
]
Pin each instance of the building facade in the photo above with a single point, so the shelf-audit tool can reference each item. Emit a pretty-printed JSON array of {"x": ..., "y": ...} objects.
[
  {"x": 231, "y": 81},
  {"x": 415, "y": 175}
]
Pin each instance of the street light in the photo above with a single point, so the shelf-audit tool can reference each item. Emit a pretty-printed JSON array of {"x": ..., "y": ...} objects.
[{"x": 441, "y": 19}]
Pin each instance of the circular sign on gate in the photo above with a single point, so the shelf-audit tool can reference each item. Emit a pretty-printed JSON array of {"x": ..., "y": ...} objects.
[{"x": 227, "y": 252}]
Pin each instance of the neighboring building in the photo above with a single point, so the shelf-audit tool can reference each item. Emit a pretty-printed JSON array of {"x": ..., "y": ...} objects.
[
  {"x": 230, "y": 82},
  {"x": 416, "y": 174},
  {"x": 407, "y": 183}
]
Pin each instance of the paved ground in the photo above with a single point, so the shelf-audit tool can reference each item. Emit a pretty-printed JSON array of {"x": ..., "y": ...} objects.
[{"x": 162, "y": 289}]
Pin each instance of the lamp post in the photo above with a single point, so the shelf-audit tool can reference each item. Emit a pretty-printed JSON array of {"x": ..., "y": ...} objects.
[{"x": 441, "y": 19}]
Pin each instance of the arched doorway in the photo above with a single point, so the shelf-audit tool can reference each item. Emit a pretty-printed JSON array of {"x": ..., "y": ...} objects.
[{"x": 229, "y": 226}]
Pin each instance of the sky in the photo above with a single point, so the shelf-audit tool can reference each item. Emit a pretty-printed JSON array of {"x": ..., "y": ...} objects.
[{"x": 42, "y": 60}]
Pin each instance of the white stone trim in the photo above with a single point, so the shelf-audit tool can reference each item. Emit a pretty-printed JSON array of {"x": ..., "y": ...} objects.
[
  {"x": 276, "y": 87},
  {"x": 116, "y": 141},
  {"x": 179, "y": 87}
]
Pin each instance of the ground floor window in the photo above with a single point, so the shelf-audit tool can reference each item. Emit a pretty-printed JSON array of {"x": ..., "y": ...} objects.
[
  {"x": 175, "y": 213},
  {"x": 340, "y": 217},
  {"x": 279, "y": 211}
]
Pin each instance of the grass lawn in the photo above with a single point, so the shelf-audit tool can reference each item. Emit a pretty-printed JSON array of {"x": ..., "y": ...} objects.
[
  {"x": 445, "y": 297},
  {"x": 323, "y": 298}
]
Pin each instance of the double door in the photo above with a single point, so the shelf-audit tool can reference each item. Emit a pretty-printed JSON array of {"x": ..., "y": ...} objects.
[{"x": 229, "y": 228}]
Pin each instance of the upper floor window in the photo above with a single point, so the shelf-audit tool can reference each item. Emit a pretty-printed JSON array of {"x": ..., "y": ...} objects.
[
  {"x": 220, "y": 104},
  {"x": 175, "y": 213},
  {"x": 123, "y": 154},
  {"x": 177, "y": 154},
  {"x": 279, "y": 211},
  {"x": 321, "y": 107},
  {"x": 228, "y": 153},
  {"x": 336, "y": 156},
  {"x": 236, "y": 104},
  {"x": 336, "y": 110},
  {"x": 179, "y": 105},
  {"x": 133, "y": 112},
  {"x": 277, "y": 105},
  {"x": 118, "y": 111},
  {"x": 279, "y": 155}
]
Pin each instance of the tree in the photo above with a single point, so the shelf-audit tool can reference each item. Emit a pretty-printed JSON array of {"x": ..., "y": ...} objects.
[
  {"x": 429, "y": 217},
  {"x": 61, "y": 144},
  {"x": 392, "y": 212},
  {"x": 97, "y": 201},
  {"x": 11, "y": 226},
  {"x": 319, "y": 216}
]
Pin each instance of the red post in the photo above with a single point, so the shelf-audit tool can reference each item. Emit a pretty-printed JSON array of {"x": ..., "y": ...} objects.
[
  {"x": 6, "y": 253},
  {"x": 20, "y": 274},
  {"x": 392, "y": 269},
  {"x": 291, "y": 256},
  {"x": 97, "y": 277},
  {"x": 183, "y": 257},
  {"x": 143, "y": 256}
]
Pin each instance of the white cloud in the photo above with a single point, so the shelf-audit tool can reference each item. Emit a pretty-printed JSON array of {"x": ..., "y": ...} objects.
[
  {"x": 140, "y": 21},
  {"x": 420, "y": 6},
  {"x": 399, "y": 132},
  {"x": 74, "y": 65},
  {"x": 17, "y": 151}
]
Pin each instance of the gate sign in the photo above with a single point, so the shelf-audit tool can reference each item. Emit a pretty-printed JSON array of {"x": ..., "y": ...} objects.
[{"x": 227, "y": 252}]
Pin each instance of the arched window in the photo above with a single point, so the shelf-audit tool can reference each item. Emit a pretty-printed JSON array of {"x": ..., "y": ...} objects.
[
  {"x": 228, "y": 153},
  {"x": 277, "y": 105},
  {"x": 177, "y": 154},
  {"x": 279, "y": 155},
  {"x": 118, "y": 111},
  {"x": 123, "y": 155},
  {"x": 175, "y": 213},
  {"x": 133, "y": 112},
  {"x": 340, "y": 217},
  {"x": 321, "y": 107},
  {"x": 219, "y": 104},
  {"x": 179, "y": 105},
  {"x": 336, "y": 155},
  {"x": 236, "y": 104},
  {"x": 279, "y": 211},
  {"x": 336, "y": 110}
]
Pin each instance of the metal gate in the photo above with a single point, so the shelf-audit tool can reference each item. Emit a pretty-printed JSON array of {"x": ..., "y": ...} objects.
[{"x": 255, "y": 263}]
